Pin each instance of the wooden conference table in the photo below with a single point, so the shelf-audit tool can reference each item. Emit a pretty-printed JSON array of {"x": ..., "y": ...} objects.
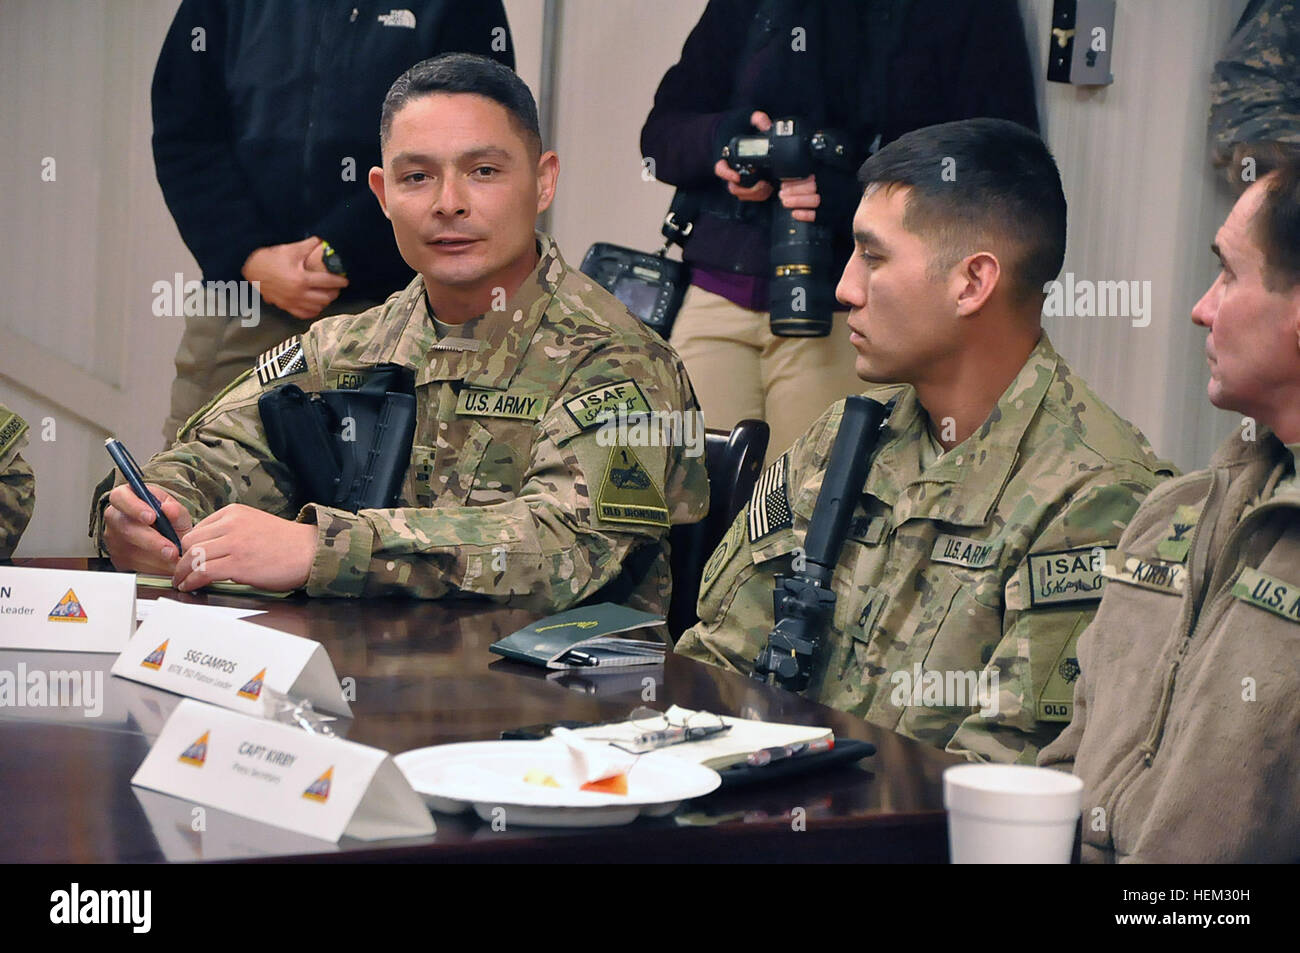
[{"x": 424, "y": 676}]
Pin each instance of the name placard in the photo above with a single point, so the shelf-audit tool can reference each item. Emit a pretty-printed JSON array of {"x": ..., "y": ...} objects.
[
  {"x": 280, "y": 775},
  {"x": 192, "y": 651},
  {"x": 65, "y": 610}
]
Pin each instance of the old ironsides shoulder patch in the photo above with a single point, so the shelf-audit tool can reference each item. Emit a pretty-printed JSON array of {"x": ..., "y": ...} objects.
[
  {"x": 284, "y": 360},
  {"x": 1071, "y": 575},
  {"x": 11, "y": 428},
  {"x": 769, "y": 506},
  {"x": 628, "y": 493}
]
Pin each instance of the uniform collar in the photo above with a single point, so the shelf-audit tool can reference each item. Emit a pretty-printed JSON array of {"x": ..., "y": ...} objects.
[
  {"x": 945, "y": 491},
  {"x": 501, "y": 337}
]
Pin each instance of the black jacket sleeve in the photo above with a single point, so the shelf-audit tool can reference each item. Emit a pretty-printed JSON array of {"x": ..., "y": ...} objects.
[
  {"x": 205, "y": 190},
  {"x": 692, "y": 117}
]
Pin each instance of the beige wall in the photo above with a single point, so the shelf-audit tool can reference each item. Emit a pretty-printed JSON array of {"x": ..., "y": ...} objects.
[{"x": 81, "y": 347}]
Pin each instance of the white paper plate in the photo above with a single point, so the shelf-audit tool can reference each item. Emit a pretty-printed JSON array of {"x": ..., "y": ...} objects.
[{"x": 487, "y": 775}]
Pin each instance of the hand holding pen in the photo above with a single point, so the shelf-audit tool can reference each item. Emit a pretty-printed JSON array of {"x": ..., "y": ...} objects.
[{"x": 143, "y": 525}]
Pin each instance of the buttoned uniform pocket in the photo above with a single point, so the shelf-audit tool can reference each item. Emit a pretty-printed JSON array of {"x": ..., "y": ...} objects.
[
  {"x": 456, "y": 462},
  {"x": 937, "y": 678},
  {"x": 502, "y": 463},
  {"x": 892, "y": 621}
]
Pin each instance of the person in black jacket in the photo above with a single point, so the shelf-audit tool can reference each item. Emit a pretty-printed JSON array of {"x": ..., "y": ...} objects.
[
  {"x": 868, "y": 69},
  {"x": 265, "y": 119}
]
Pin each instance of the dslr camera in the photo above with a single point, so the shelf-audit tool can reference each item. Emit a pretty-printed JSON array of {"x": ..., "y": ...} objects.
[{"x": 801, "y": 287}]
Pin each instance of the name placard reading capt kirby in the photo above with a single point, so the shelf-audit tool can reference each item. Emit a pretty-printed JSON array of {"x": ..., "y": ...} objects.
[
  {"x": 191, "y": 651},
  {"x": 66, "y": 610},
  {"x": 282, "y": 775}
]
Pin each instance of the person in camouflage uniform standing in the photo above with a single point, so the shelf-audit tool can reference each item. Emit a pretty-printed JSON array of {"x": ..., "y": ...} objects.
[
  {"x": 1255, "y": 92},
  {"x": 974, "y": 558},
  {"x": 17, "y": 482},
  {"x": 514, "y": 490}
]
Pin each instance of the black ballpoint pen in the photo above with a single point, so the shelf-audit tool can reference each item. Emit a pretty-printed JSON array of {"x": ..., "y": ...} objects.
[{"x": 135, "y": 479}]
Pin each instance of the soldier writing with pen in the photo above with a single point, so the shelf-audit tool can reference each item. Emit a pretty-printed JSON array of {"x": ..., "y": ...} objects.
[{"x": 508, "y": 494}]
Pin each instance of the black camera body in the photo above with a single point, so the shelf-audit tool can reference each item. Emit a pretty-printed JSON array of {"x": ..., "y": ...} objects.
[{"x": 801, "y": 289}]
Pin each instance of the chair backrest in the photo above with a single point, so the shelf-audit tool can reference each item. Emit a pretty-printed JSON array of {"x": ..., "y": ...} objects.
[{"x": 734, "y": 461}]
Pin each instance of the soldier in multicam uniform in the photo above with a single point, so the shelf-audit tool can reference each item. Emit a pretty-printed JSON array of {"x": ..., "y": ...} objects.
[
  {"x": 17, "y": 483},
  {"x": 518, "y": 363},
  {"x": 974, "y": 557},
  {"x": 1255, "y": 92}
]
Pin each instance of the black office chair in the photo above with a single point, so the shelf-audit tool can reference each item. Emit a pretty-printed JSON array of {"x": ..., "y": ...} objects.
[{"x": 734, "y": 461}]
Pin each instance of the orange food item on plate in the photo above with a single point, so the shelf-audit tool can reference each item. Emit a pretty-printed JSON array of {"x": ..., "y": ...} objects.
[{"x": 617, "y": 784}]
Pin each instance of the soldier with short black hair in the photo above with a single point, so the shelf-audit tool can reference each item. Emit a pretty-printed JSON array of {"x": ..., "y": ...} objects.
[
  {"x": 1000, "y": 484},
  {"x": 515, "y": 489}
]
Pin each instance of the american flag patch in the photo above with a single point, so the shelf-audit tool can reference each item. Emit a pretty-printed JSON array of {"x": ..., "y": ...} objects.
[
  {"x": 283, "y": 360},
  {"x": 769, "y": 507}
]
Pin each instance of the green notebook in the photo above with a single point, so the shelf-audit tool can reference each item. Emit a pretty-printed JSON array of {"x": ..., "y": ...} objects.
[
  {"x": 226, "y": 588},
  {"x": 585, "y": 638}
]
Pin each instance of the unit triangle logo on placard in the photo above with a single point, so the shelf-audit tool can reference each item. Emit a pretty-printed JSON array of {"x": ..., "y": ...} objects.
[
  {"x": 319, "y": 790},
  {"x": 253, "y": 687},
  {"x": 68, "y": 610},
  {"x": 197, "y": 753},
  {"x": 154, "y": 659}
]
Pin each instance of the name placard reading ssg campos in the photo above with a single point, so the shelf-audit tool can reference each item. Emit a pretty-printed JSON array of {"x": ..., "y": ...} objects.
[
  {"x": 66, "y": 610},
  {"x": 281, "y": 775},
  {"x": 192, "y": 651}
]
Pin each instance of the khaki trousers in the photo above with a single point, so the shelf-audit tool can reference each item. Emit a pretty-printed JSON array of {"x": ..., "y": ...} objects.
[
  {"x": 214, "y": 350},
  {"x": 741, "y": 370}
]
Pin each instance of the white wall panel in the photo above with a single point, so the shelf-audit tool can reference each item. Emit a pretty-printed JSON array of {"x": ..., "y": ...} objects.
[
  {"x": 81, "y": 345},
  {"x": 1144, "y": 205}
]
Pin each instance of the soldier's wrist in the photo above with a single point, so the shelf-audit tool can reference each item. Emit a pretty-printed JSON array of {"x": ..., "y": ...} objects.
[{"x": 344, "y": 543}]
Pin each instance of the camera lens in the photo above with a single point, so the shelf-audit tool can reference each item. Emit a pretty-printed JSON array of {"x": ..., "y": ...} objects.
[{"x": 800, "y": 296}]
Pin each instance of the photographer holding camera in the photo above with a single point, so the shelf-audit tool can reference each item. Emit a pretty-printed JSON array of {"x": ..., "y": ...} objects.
[{"x": 761, "y": 125}]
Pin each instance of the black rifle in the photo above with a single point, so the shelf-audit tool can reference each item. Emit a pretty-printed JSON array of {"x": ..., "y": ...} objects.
[
  {"x": 346, "y": 448},
  {"x": 804, "y": 602}
]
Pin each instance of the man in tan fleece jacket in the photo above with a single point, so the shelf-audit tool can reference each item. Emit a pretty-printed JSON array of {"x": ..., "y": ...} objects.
[{"x": 1187, "y": 708}]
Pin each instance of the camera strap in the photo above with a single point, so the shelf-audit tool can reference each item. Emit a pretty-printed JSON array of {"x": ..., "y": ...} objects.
[{"x": 680, "y": 220}]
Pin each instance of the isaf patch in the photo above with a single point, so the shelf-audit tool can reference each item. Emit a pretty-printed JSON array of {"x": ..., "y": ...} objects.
[
  {"x": 769, "y": 505},
  {"x": 11, "y": 428},
  {"x": 1268, "y": 593},
  {"x": 1178, "y": 538},
  {"x": 475, "y": 402},
  {"x": 1071, "y": 575},
  {"x": 628, "y": 493},
  {"x": 592, "y": 407},
  {"x": 284, "y": 360}
]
